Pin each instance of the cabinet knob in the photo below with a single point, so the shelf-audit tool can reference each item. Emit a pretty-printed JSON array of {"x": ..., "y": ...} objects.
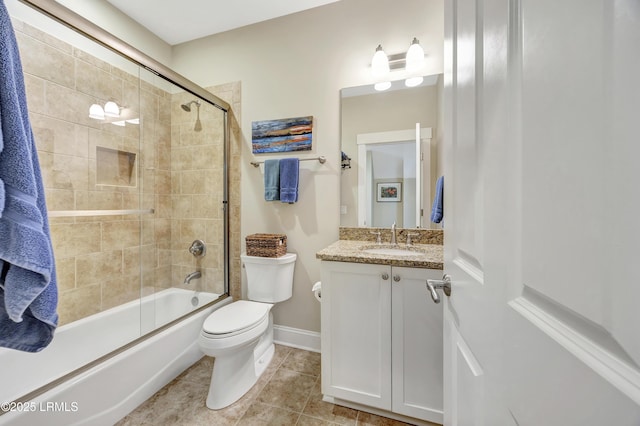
[
  {"x": 385, "y": 276},
  {"x": 396, "y": 278}
]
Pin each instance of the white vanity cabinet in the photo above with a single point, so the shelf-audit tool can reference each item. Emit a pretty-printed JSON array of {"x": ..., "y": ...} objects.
[{"x": 382, "y": 338}]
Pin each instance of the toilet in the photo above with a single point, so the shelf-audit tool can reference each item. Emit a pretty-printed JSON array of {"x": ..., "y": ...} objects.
[{"x": 240, "y": 334}]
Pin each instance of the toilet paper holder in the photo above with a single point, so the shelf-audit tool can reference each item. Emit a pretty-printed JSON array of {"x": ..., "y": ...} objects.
[{"x": 317, "y": 290}]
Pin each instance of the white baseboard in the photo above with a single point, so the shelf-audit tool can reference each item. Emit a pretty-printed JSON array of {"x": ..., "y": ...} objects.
[{"x": 296, "y": 338}]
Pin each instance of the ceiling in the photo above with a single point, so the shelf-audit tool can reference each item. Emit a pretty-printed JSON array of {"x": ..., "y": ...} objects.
[{"x": 181, "y": 21}]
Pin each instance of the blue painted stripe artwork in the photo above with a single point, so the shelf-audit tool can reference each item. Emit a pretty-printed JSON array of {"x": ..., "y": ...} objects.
[{"x": 283, "y": 135}]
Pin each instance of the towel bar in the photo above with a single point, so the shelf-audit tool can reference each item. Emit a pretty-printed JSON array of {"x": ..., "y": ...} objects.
[
  {"x": 81, "y": 213},
  {"x": 322, "y": 159}
]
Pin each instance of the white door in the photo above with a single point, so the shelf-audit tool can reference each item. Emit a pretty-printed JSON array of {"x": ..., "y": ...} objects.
[{"x": 542, "y": 212}]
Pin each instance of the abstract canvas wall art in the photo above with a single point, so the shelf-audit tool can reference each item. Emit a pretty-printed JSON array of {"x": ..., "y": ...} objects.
[{"x": 282, "y": 135}]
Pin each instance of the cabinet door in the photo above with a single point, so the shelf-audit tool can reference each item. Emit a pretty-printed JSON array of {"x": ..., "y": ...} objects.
[
  {"x": 356, "y": 333},
  {"x": 416, "y": 345}
]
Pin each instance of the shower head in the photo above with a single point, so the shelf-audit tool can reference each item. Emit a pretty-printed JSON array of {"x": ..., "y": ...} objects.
[
  {"x": 187, "y": 106},
  {"x": 198, "y": 126}
]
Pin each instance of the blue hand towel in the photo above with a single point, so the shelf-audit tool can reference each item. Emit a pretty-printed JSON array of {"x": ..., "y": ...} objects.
[
  {"x": 436, "y": 209},
  {"x": 289, "y": 171},
  {"x": 28, "y": 291},
  {"x": 272, "y": 180}
]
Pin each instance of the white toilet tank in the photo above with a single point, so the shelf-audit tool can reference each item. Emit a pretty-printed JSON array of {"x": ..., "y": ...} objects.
[{"x": 269, "y": 279}]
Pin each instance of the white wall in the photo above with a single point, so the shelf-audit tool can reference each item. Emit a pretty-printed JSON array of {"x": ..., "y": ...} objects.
[
  {"x": 295, "y": 66},
  {"x": 103, "y": 14},
  {"x": 21, "y": 12}
]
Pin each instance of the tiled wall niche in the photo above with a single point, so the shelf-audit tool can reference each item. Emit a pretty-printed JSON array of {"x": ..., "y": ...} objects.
[
  {"x": 115, "y": 167},
  {"x": 104, "y": 261}
]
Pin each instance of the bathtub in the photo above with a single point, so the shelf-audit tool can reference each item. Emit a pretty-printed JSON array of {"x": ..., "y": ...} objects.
[{"x": 94, "y": 397}]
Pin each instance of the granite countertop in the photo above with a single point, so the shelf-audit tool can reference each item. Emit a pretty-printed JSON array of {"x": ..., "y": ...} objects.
[{"x": 428, "y": 256}]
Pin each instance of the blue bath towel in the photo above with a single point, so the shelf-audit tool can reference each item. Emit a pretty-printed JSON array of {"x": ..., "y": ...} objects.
[
  {"x": 28, "y": 291},
  {"x": 437, "y": 208},
  {"x": 289, "y": 171},
  {"x": 272, "y": 180}
]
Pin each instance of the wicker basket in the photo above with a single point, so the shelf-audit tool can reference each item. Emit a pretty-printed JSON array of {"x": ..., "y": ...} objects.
[{"x": 266, "y": 245}]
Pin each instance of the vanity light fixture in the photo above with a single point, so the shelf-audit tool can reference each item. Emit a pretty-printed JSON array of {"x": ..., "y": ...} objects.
[
  {"x": 96, "y": 112},
  {"x": 380, "y": 63},
  {"x": 412, "y": 62},
  {"x": 111, "y": 109},
  {"x": 380, "y": 69}
]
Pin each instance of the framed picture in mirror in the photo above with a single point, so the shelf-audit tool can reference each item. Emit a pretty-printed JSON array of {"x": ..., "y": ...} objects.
[{"x": 389, "y": 192}]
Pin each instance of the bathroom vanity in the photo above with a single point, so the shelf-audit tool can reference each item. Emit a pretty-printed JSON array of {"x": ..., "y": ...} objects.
[{"x": 381, "y": 332}]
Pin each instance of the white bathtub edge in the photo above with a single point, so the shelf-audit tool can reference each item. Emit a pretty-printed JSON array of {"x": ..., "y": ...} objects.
[
  {"x": 147, "y": 389},
  {"x": 141, "y": 371}
]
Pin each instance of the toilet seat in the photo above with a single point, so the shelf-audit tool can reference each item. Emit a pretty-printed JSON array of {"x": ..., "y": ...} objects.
[{"x": 235, "y": 318}]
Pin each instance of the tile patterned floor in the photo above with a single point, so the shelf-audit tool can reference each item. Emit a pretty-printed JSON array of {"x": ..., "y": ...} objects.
[{"x": 288, "y": 393}]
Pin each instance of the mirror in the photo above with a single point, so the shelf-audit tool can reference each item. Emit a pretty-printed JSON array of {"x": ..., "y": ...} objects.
[{"x": 391, "y": 178}]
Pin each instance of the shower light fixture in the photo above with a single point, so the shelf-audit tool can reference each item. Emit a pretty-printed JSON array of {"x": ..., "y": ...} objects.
[{"x": 412, "y": 62}]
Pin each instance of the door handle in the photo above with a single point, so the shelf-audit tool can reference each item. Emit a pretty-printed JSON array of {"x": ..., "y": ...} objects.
[{"x": 444, "y": 284}]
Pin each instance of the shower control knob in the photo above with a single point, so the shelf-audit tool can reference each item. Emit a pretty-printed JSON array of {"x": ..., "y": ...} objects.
[
  {"x": 198, "y": 249},
  {"x": 385, "y": 276}
]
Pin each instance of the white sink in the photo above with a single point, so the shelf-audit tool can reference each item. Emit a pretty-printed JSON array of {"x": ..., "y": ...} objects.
[{"x": 390, "y": 251}]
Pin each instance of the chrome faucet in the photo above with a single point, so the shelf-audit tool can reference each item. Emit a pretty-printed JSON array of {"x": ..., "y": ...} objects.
[
  {"x": 393, "y": 234},
  {"x": 192, "y": 276}
]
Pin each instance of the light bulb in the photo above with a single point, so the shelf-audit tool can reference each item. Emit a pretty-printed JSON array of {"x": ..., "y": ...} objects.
[
  {"x": 96, "y": 112},
  {"x": 379, "y": 63},
  {"x": 415, "y": 57},
  {"x": 111, "y": 109}
]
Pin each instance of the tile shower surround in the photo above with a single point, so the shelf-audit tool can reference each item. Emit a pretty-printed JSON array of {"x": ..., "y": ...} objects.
[{"x": 101, "y": 260}]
